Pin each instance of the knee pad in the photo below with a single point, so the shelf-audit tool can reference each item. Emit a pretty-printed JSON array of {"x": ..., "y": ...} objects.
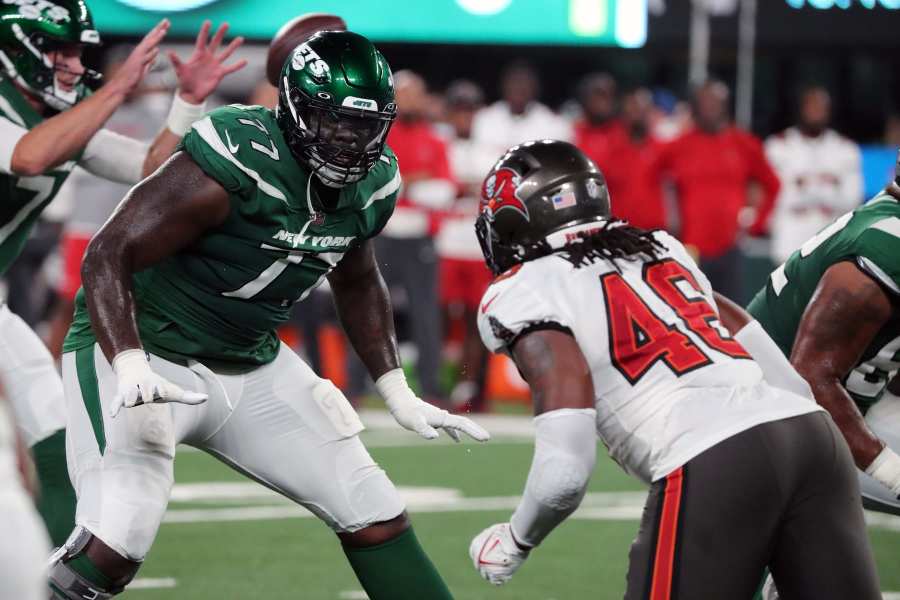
[
  {"x": 367, "y": 494},
  {"x": 65, "y": 582}
]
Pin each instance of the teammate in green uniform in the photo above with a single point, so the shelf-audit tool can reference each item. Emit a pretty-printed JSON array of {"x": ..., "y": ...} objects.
[
  {"x": 833, "y": 310},
  {"x": 48, "y": 123},
  {"x": 174, "y": 334}
]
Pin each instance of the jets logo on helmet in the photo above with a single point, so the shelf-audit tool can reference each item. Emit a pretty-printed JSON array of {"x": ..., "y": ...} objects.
[
  {"x": 306, "y": 57},
  {"x": 501, "y": 191}
]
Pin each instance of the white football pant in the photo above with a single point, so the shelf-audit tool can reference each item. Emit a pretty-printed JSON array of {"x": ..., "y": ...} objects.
[{"x": 279, "y": 424}]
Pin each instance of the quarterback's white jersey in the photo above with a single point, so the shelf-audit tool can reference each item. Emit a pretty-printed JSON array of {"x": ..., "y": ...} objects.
[
  {"x": 669, "y": 380},
  {"x": 821, "y": 179}
]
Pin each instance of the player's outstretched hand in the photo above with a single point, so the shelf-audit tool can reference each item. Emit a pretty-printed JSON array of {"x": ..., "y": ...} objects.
[
  {"x": 140, "y": 60},
  {"x": 138, "y": 384},
  {"x": 200, "y": 74},
  {"x": 417, "y": 415},
  {"x": 496, "y": 555}
]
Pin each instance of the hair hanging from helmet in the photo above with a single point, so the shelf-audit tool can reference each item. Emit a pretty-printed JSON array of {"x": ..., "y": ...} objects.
[{"x": 615, "y": 240}]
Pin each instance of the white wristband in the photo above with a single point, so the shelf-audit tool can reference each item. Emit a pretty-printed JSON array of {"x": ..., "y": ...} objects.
[
  {"x": 183, "y": 114},
  {"x": 885, "y": 469},
  {"x": 394, "y": 388},
  {"x": 134, "y": 359}
]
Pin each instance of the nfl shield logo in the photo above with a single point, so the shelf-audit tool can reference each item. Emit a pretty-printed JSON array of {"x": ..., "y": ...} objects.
[
  {"x": 318, "y": 218},
  {"x": 593, "y": 190}
]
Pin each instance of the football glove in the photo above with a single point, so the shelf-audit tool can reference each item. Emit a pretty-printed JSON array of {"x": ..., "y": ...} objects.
[
  {"x": 417, "y": 415},
  {"x": 138, "y": 384},
  {"x": 496, "y": 555},
  {"x": 885, "y": 469}
]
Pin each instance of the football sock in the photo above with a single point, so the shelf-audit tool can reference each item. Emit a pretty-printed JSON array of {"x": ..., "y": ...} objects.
[
  {"x": 398, "y": 569},
  {"x": 82, "y": 565},
  {"x": 56, "y": 498}
]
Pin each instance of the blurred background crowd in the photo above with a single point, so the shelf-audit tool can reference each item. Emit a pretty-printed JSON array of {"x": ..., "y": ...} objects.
[{"x": 743, "y": 166}]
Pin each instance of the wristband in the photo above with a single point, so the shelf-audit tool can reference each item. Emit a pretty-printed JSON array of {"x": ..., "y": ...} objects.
[
  {"x": 183, "y": 114},
  {"x": 130, "y": 360},
  {"x": 394, "y": 388},
  {"x": 885, "y": 469}
]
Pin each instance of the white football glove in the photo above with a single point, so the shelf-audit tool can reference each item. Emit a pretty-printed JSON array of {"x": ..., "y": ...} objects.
[
  {"x": 138, "y": 384},
  {"x": 496, "y": 555},
  {"x": 419, "y": 416}
]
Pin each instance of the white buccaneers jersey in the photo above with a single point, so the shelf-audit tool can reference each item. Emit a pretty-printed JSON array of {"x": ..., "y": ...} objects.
[{"x": 669, "y": 380}]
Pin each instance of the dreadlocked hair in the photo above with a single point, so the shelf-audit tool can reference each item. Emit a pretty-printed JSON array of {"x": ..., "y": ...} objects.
[{"x": 615, "y": 240}]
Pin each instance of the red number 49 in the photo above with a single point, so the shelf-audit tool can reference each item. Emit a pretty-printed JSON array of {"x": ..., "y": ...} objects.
[{"x": 638, "y": 338}]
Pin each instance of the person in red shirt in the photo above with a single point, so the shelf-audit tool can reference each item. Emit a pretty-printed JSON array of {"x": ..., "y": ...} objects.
[
  {"x": 405, "y": 248},
  {"x": 712, "y": 165},
  {"x": 594, "y": 132}
]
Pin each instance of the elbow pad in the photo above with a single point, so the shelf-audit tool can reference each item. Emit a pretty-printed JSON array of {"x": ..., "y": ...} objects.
[
  {"x": 565, "y": 453},
  {"x": 776, "y": 368}
]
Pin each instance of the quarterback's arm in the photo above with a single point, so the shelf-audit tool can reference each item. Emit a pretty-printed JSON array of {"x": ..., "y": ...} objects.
[
  {"x": 125, "y": 160},
  {"x": 59, "y": 138},
  {"x": 158, "y": 217},
  {"x": 847, "y": 310}
]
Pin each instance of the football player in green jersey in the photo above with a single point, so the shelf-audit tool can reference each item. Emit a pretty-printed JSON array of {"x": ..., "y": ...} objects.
[
  {"x": 174, "y": 339},
  {"x": 832, "y": 307},
  {"x": 48, "y": 123}
]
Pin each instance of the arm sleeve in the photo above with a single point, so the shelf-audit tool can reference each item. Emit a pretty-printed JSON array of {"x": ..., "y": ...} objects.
[
  {"x": 565, "y": 453},
  {"x": 116, "y": 157},
  {"x": 10, "y": 134},
  {"x": 511, "y": 308}
]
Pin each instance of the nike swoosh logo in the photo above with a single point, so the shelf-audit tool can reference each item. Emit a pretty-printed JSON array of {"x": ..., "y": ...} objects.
[
  {"x": 484, "y": 307},
  {"x": 231, "y": 148}
]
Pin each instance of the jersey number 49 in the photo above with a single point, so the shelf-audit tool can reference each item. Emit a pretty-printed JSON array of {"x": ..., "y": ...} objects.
[{"x": 638, "y": 338}]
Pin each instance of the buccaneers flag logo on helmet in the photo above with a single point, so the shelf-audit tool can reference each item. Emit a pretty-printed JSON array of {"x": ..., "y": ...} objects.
[{"x": 500, "y": 191}]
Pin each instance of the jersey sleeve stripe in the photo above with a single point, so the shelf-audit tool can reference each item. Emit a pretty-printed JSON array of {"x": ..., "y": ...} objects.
[
  {"x": 877, "y": 273},
  {"x": 889, "y": 225},
  {"x": 384, "y": 191},
  {"x": 11, "y": 113},
  {"x": 207, "y": 132}
]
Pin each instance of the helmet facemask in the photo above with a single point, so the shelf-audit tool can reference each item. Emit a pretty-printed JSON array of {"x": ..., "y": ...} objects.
[{"x": 339, "y": 144}]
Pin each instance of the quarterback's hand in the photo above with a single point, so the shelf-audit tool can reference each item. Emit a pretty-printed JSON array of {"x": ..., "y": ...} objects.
[
  {"x": 419, "y": 416},
  {"x": 200, "y": 74},
  {"x": 496, "y": 555},
  {"x": 138, "y": 384},
  {"x": 141, "y": 59}
]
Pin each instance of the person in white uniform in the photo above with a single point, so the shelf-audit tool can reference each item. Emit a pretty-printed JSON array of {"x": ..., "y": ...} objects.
[{"x": 619, "y": 334}]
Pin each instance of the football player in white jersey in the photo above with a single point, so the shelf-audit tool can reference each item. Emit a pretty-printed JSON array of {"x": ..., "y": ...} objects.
[{"x": 618, "y": 333}]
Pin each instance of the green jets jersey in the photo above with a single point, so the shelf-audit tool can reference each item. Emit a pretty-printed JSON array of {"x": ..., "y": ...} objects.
[
  {"x": 868, "y": 236},
  {"x": 23, "y": 198},
  {"x": 220, "y": 299}
]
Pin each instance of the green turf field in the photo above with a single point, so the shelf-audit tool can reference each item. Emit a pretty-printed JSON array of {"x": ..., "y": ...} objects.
[{"x": 228, "y": 539}]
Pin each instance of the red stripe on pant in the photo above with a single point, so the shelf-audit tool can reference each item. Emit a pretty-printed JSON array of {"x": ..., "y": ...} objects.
[{"x": 664, "y": 562}]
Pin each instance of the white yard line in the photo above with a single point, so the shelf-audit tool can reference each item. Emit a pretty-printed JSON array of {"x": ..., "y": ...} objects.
[
  {"x": 149, "y": 583},
  {"x": 606, "y": 506}
]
